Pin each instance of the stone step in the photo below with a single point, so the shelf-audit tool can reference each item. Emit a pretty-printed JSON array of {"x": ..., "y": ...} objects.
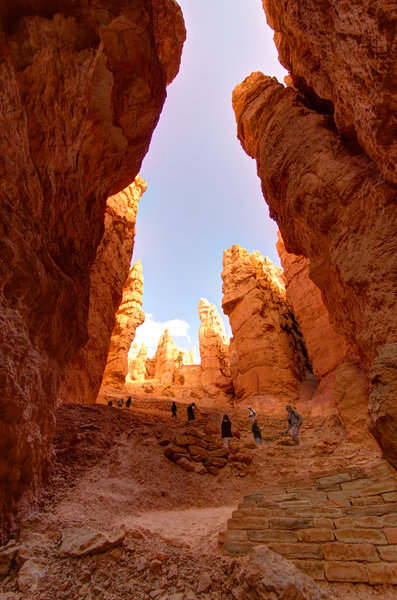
[{"x": 340, "y": 526}]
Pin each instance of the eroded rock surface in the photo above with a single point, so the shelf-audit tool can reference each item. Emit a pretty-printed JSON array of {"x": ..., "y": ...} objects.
[
  {"x": 137, "y": 364},
  {"x": 267, "y": 353},
  {"x": 383, "y": 405},
  {"x": 82, "y": 90},
  {"x": 108, "y": 276},
  {"x": 325, "y": 149},
  {"x": 128, "y": 317},
  {"x": 214, "y": 350},
  {"x": 166, "y": 355}
]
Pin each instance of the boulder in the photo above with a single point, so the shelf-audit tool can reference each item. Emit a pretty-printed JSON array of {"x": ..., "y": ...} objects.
[{"x": 85, "y": 540}]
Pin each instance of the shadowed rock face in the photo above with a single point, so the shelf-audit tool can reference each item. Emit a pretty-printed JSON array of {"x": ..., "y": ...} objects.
[
  {"x": 108, "y": 276},
  {"x": 267, "y": 353},
  {"x": 82, "y": 90},
  {"x": 325, "y": 152}
]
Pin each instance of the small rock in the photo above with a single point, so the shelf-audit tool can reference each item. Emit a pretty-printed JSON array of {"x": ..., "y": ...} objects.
[
  {"x": 204, "y": 583},
  {"x": 155, "y": 567},
  {"x": 30, "y": 573},
  {"x": 83, "y": 541},
  {"x": 187, "y": 465},
  {"x": 200, "y": 468}
]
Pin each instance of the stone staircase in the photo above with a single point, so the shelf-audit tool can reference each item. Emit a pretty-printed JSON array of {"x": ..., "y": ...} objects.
[{"x": 339, "y": 526}]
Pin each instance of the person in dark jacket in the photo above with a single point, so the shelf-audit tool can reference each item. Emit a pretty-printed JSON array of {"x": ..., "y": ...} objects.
[
  {"x": 128, "y": 402},
  {"x": 173, "y": 410},
  {"x": 190, "y": 412},
  {"x": 226, "y": 428},
  {"x": 120, "y": 402},
  {"x": 257, "y": 432}
]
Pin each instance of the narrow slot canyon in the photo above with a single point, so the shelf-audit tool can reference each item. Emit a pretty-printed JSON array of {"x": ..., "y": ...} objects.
[{"x": 198, "y": 402}]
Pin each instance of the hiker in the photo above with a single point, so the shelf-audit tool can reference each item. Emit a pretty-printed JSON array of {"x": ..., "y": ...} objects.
[
  {"x": 128, "y": 402},
  {"x": 226, "y": 429},
  {"x": 190, "y": 412},
  {"x": 294, "y": 423},
  {"x": 110, "y": 403},
  {"x": 257, "y": 432},
  {"x": 173, "y": 410},
  {"x": 120, "y": 402},
  {"x": 252, "y": 413}
]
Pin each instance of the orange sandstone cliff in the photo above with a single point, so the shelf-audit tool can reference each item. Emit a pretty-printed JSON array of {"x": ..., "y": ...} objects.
[
  {"x": 165, "y": 358},
  {"x": 82, "y": 90},
  {"x": 128, "y": 317},
  {"x": 325, "y": 149},
  {"x": 267, "y": 353},
  {"x": 108, "y": 275}
]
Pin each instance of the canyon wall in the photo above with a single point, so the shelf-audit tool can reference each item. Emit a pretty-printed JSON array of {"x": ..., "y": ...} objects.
[
  {"x": 128, "y": 317},
  {"x": 267, "y": 353},
  {"x": 82, "y": 90},
  {"x": 108, "y": 275},
  {"x": 137, "y": 360},
  {"x": 214, "y": 351},
  {"x": 325, "y": 149}
]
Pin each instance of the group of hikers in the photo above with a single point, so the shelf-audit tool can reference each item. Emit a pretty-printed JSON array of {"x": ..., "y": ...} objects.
[
  {"x": 120, "y": 402},
  {"x": 294, "y": 423}
]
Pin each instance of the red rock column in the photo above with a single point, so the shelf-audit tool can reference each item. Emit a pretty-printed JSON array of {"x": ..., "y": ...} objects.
[
  {"x": 166, "y": 355},
  {"x": 82, "y": 88},
  {"x": 128, "y": 317},
  {"x": 214, "y": 350},
  {"x": 108, "y": 276},
  {"x": 267, "y": 353}
]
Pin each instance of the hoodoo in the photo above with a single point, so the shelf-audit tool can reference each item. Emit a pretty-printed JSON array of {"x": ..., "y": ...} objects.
[
  {"x": 82, "y": 90},
  {"x": 267, "y": 353},
  {"x": 128, "y": 317},
  {"x": 325, "y": 149}
]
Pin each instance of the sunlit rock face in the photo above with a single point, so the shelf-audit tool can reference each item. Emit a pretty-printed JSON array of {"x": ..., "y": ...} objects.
[
  {"x": 82, "y": 86},
  {"x": 165, "y": 358},
  {"x": 267, "y": 353},
  {"x": 214, "y": 350},
  {"x": 108, "y": 275},
  {"x": 137, "y": 364},
  {"x": 383, "y": 405},
  {"x": 325, "y": 149},
  {"x": 128, "y": 317}
]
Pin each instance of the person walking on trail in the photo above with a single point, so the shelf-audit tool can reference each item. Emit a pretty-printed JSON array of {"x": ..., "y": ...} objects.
[
  {"x": 226, "y": 429},
  {"x": 120, "y": 402},
  {"x": 252, "y": 413},
  {"x": 173, "y": 410},
  {"x": 294, "y": 423},
  {"x": 257, "y": 432},
  {"x": 190, "y": 412},
  {"x": 128, "y": 402}
]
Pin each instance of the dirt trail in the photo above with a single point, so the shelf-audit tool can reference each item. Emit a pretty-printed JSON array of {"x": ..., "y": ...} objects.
[{"x": 111, "y": 473}]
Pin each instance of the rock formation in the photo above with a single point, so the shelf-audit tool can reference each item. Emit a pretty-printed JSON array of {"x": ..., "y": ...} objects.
[
  {"x": 166, "y": 355},
  {"x": 108, "y": 275},
  {"x": 82, "y": 90},
  {"x": 214, "y": 350},
  {"x": 137, "y": 364},
  {"x": 128, "y": 317},
  {"x": 325, "y": 149},
  {"x": 383, "y": 405},
  {"x": 267, "y": 353}
]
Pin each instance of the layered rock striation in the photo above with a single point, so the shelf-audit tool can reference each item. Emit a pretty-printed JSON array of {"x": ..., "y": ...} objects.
[
  {"x": 128, "y": 317},
  {"x": 108, "y": 276},
  {"x": 214, "y": 350},
  {"x": 82, "y": 90},
  {"x": 137, "y": 364},
  {"x": 267, "y": 353},
  {"x": 325, "y": 149}
]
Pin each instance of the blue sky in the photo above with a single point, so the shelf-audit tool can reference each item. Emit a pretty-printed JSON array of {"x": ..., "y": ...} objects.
[{"x": 203, "y": 191}]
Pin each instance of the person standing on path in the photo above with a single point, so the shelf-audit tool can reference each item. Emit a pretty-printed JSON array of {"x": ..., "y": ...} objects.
[
  {"x": 190, "y": 412},
  {"x": 294, "y": 424},
  {"x": 173, "y": 410},
  {"x": 226, "y": 429},
  {"x": 257, "y": 432}
]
